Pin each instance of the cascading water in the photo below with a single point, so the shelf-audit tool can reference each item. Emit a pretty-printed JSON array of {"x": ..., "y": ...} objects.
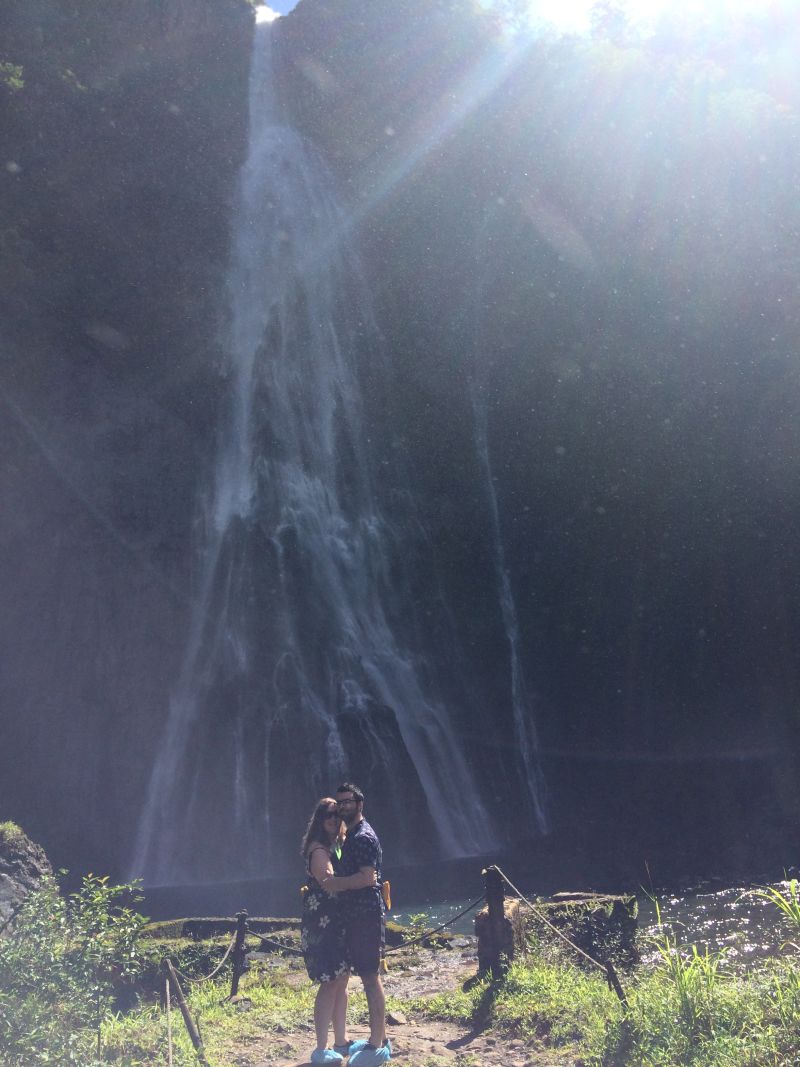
[
  {"x": 295, "y": 671},
  {"x": 527, "y": 744},
  {"x": 523, "y": 719}
]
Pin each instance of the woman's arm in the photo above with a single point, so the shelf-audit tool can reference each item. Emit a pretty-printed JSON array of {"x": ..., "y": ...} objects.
[
  {"x": 319, "y": 863},
  {"x": 365, "y": 876}
]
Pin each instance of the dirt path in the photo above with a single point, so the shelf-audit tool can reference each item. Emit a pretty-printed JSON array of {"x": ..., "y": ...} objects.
[
  {"x": 424, "y": 1044},
  {"x": 416, "y": 1041}
]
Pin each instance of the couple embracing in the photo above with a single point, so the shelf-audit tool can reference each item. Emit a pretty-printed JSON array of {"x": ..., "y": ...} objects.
[{"x": 344, "y": 925}]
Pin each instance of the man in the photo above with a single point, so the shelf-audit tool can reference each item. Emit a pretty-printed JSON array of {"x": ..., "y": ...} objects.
[{"x": 360, "y": 884}]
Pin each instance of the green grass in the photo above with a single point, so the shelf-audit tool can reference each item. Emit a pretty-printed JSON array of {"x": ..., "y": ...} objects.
[
  {"x": 788, "y": 905},
  {"x": 454, "y": 1005},
  {"x": 278, "y": 1000},
  {"x": 555, "y": 1003},
  {"x": 275, "y": 1005},
  {"x": 539, "y": 1000},
  {"x": 689, "y": 1010}
]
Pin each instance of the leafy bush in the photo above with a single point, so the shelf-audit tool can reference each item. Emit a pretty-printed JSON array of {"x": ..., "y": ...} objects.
[
  {"x": 11, "y": 77},
  {"x": 61, "y": 960}
]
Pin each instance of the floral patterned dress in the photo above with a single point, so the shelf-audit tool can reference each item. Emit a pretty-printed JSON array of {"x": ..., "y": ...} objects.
[{"x": 322, "y": 931}]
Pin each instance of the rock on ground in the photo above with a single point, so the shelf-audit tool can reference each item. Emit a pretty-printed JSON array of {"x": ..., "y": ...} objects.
[{"x": 23, "y": 865}]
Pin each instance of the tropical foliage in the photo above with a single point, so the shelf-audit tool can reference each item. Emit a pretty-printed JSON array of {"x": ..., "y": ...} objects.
[{"x": 62, "y": 960}]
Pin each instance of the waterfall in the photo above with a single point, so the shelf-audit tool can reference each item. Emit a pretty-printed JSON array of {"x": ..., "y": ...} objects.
[
  {"x": 521, "y": 702},
  {"x": 296, "y": 671},
  {"x": 534, "y": 790}
]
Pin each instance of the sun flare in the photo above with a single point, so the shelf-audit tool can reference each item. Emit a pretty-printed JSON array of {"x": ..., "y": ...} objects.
[
  {"x": 575, "y": 16},
  {"x": 265, "y": 14}
]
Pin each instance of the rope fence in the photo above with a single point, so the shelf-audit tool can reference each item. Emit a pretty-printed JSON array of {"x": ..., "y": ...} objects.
[
  {"x": 542, "y": 918},
  {"x": 217, "y": 969},
  {"x": 288, "y": 949},
  {"x": 494, "y": 897},
  {"x": 438, "y": 929},
  {"x": 607, "y": 968}
]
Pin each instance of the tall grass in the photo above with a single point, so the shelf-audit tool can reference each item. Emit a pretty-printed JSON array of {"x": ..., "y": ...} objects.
[
  {"x": 689, "y": 1010},
  {"x": 788, "y": 905},
  {"x": 692, "y": 1009}
]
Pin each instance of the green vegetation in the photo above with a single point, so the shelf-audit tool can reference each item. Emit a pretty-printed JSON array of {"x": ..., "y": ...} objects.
[
  {"x": 9, "y": 831},
  {"x": 418, "y": 922},
  {"x": 62, "y": 960},
  {"x": 68, "y": 962},
  {"x": 277, "y": 1003},
  {"x": 11, "y": 77},
  {"x": 787, "y": 903},
  {"x": 691, "y": 1008}
]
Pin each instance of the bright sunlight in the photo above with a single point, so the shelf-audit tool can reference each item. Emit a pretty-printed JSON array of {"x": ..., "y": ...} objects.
[{"x": 574, "y": 16}]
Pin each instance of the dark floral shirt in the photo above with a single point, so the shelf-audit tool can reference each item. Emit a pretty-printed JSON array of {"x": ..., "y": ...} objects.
[{"x": 361, "y": 848}]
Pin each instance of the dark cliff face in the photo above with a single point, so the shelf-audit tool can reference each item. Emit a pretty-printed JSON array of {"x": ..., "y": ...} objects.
[
  {"x": 548, "y": 238},
  {"x": 596, "y": 233},
  {"x": 120, "y": 148}
]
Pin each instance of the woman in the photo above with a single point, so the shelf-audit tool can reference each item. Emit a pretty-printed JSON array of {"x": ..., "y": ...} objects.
[{"x": 322, "y": 936}]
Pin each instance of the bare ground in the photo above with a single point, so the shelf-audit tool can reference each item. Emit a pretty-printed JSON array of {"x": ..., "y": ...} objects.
[{"x": 416, "y": 1041}]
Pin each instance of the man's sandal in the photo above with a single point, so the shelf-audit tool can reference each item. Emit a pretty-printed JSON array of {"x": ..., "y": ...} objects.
[{"x": 368, "y": 1055}]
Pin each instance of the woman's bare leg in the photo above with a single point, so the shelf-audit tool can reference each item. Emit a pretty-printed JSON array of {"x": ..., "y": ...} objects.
[
  {"x": 323, "y": 1011},
  {"x": 340, "y": 1010}
]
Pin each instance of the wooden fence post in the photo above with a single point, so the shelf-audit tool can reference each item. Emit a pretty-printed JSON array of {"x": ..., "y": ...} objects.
[
  {"x": 239, "y": 952},
  {"x": 495, "y": 903},
  {"x": 194, "y": 1033}
]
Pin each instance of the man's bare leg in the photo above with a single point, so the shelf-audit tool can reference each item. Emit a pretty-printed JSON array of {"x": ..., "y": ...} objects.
[{"x": 376, "y": 1002}]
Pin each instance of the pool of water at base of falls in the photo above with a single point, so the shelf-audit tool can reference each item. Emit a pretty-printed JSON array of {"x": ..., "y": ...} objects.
[{"x": 726, "y": 918}]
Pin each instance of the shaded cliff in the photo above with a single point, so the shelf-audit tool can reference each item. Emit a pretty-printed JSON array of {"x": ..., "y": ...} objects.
[
  {"x": 582, "y": 257},
  {"x": 123, "y": 130},
  {"x": 599, "y": 235}
]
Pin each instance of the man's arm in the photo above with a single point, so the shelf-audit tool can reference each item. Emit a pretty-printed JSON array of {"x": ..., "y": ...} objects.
[{"x": 364, "y": 876}]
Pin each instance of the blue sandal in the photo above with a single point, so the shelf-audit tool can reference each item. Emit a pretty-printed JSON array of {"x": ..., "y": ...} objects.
[
  {"x": 369, "y": 1056},
  {"x": 326, "y": 1055}
]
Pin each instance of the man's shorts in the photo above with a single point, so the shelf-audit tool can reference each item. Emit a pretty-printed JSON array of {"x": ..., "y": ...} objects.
[{"x": 365, "y": 937}]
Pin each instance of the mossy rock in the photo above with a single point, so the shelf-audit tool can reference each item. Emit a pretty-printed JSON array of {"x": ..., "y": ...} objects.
[
  {"x": 23, "y": 867},
  {"x": 199, "y": 929},
  {"x": 285, "y": 931},
  {"x": 397, "y": 935},
  {"x": 197, "y": 945},
  {"x": 602, "y": 925}
]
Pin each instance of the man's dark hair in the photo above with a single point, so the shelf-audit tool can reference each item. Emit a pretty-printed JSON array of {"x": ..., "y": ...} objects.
[{"x": 348, "y": 787}]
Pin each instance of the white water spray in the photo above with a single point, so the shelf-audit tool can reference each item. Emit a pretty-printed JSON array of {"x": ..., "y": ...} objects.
[
  {"x": 522, "y": 709},
  {"x": 290, "y": 635}
]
